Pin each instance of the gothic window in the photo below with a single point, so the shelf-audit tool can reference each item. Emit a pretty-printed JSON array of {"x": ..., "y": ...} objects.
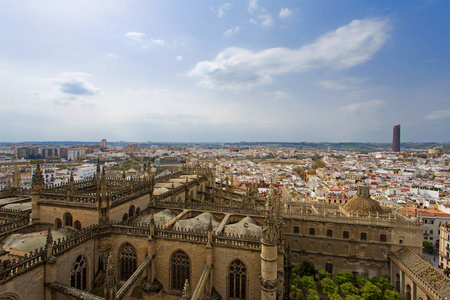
[
  {"x": 125, "y": 217},
  {"x": 58, "y": 223},
  {"x": 346, "y": 235},
  {"x": 383, "y": 238},
  {"x": 237, "y": 274},
  {"x": 78, "y": 274},
  {"x": 77, "y": 225},
  {"x": 312, "y": 231},
  {"x": 329, "y": 233},
  {"x": 68, "y": 219},
  {"x": 128, "y": 261},
  {"x": 138, "y": 211},
  {"x": 363, "y": 236},
  {"x": 329, "y": 267},
  {"x": 181, "y": 269},
  {"x": 131, "y": 211},
  {"x": 296, "y": 229}
]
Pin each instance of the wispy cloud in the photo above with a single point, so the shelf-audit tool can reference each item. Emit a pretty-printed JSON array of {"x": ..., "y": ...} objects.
[
  {"x": 252, "y": 5},
  {"x": 145, "y": 43},
  {"x": 363, "y": 107},
  {"x": 111, "y": 55},
  {"x": 179, "y": 58},
  {"x": 284, "y": 13},
  {"x": 343, "y": 84},
  {"x": 224, "y": 7},
  {"x": 348, "y": 46},
  {"x": 228, "y": 33},
  {"x": 438, "y": 114}
]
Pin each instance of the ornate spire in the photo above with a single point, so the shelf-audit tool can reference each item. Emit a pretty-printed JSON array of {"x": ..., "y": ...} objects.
[
  {"x": 210, "y": 227},
  {"x": 16, "y": 178},
  {"x": 186, "y": 291},
  {"x": 271, "y": 227},
  {"x": 37, "y": 184},
  {"x": 110, "y": 279}
]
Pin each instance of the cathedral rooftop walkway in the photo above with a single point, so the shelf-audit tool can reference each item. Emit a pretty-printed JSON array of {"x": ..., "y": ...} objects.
[{"x": 73, "y": 292}]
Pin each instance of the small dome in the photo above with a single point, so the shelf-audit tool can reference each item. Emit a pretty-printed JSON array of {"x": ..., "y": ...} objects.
[{"x": 362, "y": 203}]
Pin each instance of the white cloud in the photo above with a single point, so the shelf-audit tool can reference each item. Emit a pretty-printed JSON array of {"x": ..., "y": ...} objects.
[
  {"x": 159, "y": 42},
  {"x": 179, "y": 58},
  {"x": 252, "y": 5},
  {"x": 363, "y": 107},
  {"x": 224, "y": 7},
  {"x": 68, "y": 88},
  {"x": 111, "y": 55},
  {"x": 280, "y": 94},
  {"x": 285, "y": 12},
  {"x": 137, "y": 36},
  {"x": 266, "y": 20},
  {"x": 439, "y": 114},
  {"x": 228, "y": 33},
  {"x": 343, "y": 84},
  {"x": 348, "y": 46}
]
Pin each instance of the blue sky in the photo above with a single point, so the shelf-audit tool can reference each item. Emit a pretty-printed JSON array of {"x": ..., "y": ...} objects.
[{"x": 336, "y": 71}]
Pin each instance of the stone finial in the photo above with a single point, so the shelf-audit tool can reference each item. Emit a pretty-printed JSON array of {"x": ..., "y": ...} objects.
[
  {"x": 49, "y": 237},
  {"x": 186, "y": 291},
  {"x": 109, "y": 267},
  {"x": 210, "y": 227},
  {"x": 37, "y": 183}
]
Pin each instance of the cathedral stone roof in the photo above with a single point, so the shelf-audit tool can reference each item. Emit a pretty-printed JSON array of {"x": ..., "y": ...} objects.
[
  {"x": 426, "y": 272},
  {"x": 362, "y": 203},
  {"x": 200, "y": 222},
  {"x": 246, "y": 226}
]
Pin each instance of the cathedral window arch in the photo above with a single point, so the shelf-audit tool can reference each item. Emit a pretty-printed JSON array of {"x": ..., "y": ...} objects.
[
  {"x": 9, "y": 297},
  {"x": 180, "y": 269},
  {"x": 131, "y": 211},
  {"x": 68, "y": 219},
  {"x": 58, "y": 223},
  {"x": 237, "y": 280},
  {"x": 125, "y": 217},
  {"x": 78, "y": 274},
  {"x": 128, "y": 261},
  {"x": 138, "y": 211},
  {"x": 77, "y": 225}
]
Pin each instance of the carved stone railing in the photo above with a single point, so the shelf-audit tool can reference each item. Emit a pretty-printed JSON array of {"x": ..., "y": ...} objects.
[
  {"x": 72, "y": 292},
  {"x": 11, "y": 269}
]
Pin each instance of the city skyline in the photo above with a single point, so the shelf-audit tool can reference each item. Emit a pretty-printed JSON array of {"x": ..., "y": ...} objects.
[{"x": 315, "y": 71}]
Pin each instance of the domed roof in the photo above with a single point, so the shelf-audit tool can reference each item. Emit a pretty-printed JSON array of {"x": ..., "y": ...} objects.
[{"x": 362, "y": 203}]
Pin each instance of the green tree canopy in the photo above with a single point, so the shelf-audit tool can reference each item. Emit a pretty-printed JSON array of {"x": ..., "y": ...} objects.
[
  {"x": 312, "y": 295},
  {"x": 328, "y": 286},
  {"x": 371, "y": 291},
  {"x": 349, "y": 289},
  {"x": 307, "y": 269},
  {"x": 324, "y": 274},
  {"x": 353, "y": 297},
  {"x": 428, "y": 245},
  {"x": 361, "y": 281},
  {"x": 335, "y": 296},
  {"x": 392, "y": 295},
  {"x": 307, "y": 283},
  {"x": 382, "y": 283},
  {"x": 343, "y": 277}
]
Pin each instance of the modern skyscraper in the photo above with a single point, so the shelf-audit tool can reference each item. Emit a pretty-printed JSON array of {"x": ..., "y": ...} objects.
[{"x": 396, "y": 139}]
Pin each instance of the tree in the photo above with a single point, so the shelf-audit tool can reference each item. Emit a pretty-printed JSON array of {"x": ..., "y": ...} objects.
[
  {"x": 312, "y": 295},
  {"x": 353, "y": 297},
  {"x": 343, "y": 277},
  {"x": 349, "y": 289},
  {"x": 392, "y": 295},
  {"x": 307, "y": 269},
  {"x": 328, "y": 286},
  {"x": 361, "y": 281},
  {"x": 429, "y": 246},
  {"x": 335, "y": 296},
  {"x": 324, "y": 274},
  {"x": 370, "y": 291},
  {"x": 382, "y": 283},
  {"x": 296, "y": 293},
  {"x": 307, "y": 283}
]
